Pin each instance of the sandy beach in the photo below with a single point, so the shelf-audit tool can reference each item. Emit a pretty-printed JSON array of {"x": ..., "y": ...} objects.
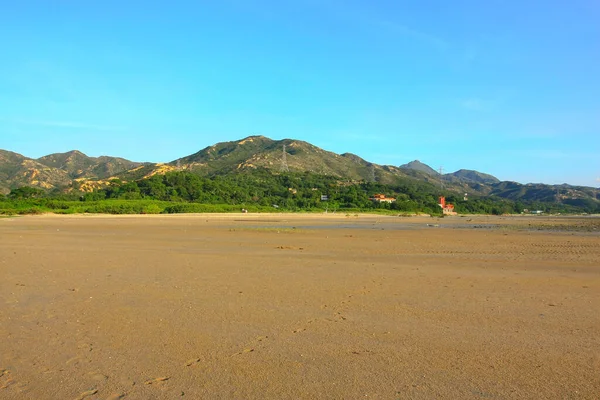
[{"x": 285, "y": 306}]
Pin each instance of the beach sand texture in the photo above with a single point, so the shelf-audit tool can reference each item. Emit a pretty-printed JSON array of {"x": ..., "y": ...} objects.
[{"x": 299, "y": 307}]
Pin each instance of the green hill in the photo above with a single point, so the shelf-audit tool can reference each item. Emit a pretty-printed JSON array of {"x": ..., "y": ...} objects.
[
  {"x": 417, "y": 165},
  {"x": 17, "y": 170},
  {"x": 74, "y": 170},
  {"x": 475, "y": 176},
  {"x": 79, "y": 165},
  {"x": 260, "y": 152}
]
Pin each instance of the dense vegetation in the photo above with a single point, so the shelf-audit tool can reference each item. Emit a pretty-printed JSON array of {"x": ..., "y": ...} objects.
[{"x": 256, "y": 191}]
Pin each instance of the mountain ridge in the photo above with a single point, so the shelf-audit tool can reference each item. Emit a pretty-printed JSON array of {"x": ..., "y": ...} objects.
[
  {"x": 419, "y": 166},
  {"x": 56, "y": 170},
  {"x": 76, "y": 170}
]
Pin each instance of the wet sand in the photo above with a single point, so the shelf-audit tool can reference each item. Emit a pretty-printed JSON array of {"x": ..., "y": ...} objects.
[{"x": 299, "y": 307}]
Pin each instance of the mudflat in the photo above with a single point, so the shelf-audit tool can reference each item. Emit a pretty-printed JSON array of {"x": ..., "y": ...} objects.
[{"x": 299, "y": 307}]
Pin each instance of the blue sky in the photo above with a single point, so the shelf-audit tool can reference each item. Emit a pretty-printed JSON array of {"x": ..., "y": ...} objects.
[{"x": 510, "y": 88}]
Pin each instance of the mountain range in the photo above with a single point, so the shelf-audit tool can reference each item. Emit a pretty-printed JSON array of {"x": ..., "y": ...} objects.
[{"x": 64, "y": 171}]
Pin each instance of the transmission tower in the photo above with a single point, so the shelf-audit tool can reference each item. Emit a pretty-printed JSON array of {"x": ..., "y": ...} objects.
[
  {"x": 441, "y": 171},
  {"x": 178, "y": 165},
  {"x": 284, "y": 166},
  {"x": 372, "y": 173}
]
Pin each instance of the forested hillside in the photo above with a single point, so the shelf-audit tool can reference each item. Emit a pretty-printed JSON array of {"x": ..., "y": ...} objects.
[
  {"x": 278, "y": 174},
  {"x": 261, "y": 190}
]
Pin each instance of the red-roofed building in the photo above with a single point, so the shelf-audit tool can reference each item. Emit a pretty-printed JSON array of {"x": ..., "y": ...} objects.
[
  {"x": 447, "y": 208},
  {"x": 381, "y": 198}
]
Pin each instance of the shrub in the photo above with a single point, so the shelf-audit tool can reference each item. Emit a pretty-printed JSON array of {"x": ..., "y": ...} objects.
[{"x": 152, "y": 209}]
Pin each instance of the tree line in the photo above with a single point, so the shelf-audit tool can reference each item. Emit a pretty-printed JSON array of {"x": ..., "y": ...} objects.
[{"x": 290, "y": 191}]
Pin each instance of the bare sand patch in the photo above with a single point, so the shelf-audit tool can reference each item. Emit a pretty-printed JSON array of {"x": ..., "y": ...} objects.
[{"x": 247, "y": 306}]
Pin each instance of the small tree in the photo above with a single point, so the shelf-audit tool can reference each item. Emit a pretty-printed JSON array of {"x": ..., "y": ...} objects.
[{"x": 26, "y": 192}]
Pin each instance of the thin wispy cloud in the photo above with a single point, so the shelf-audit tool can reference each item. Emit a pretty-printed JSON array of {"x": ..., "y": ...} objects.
[
  {"x": 72, "y": 125},
  {"x": 470, "y": 54},
  {"x": 362, "y": 136},
  {"x": 493, "y": 99},
  {"x": 362, "y": 16},
  {"x": 475, "y": 104},
  {"x": 406, "y": 30},
  {"x": 551, "y": 154},
  {"x": 538, "y": 133}
]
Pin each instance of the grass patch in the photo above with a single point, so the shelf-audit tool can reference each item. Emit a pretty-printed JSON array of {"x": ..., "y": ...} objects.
[{"x": 40, "y": 206}]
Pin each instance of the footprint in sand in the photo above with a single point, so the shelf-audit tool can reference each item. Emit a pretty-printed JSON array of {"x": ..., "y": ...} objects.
[
  {"x": 98, "y": 377},
  {"x": 116, "y": 396},
  {"x": 85, "y": 346},
  {"x": 88, "y": 393},
  {"x": 75, "y": 360},
  {"x": 157, "y": 380},
  {"x": 8, "y": 383},
  {"x": 245, "y": 351},
  {"x": 191, "y": 362},
  {"x": 340, "y": 316},
  {"x": 250, "y": 344}
]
